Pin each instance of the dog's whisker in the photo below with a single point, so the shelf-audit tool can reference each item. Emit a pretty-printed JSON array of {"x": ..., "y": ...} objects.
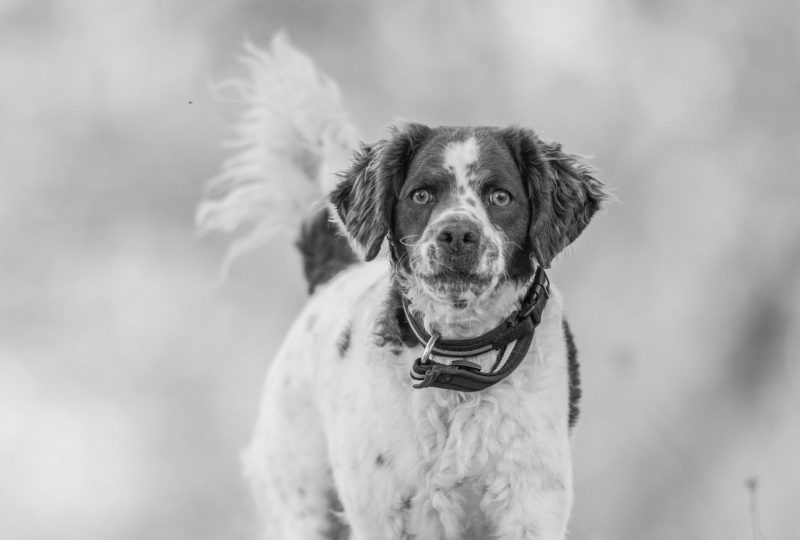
[{"x": 405, "y": 242}]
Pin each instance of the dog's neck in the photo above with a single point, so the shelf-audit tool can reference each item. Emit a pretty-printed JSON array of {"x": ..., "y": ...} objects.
[{"x": 461, "y": 319}]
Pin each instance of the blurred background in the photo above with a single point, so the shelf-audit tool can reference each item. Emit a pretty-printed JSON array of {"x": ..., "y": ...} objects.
[{"x": 130, "y": 375}]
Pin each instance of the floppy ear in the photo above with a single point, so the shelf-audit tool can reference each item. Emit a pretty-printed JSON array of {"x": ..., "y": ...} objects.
[
  {"x": 364, "y": 199},
  {"x": 563, "y": 190}
]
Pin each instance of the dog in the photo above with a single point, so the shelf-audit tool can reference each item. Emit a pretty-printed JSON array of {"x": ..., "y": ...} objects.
[{"x": 428, "y": 389}]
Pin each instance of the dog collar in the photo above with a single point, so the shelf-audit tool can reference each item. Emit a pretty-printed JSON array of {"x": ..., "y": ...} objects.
[{"x": 464, "y": 375}]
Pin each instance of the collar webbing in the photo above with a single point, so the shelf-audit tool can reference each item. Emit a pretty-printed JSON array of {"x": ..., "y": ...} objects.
[{"x": 465, "y": 375}]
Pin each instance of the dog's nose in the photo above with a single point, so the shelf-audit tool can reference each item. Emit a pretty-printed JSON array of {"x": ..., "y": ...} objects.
[{"x": 459, "y": 236}]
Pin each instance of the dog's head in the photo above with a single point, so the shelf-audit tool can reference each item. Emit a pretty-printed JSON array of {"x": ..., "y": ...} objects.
[{"x": 467, "y": 207}]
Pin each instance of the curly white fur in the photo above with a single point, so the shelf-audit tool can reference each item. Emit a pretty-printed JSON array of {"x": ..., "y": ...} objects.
[
  {"x": 338, "y": 414},
  {"x": 431, "y": 464}
]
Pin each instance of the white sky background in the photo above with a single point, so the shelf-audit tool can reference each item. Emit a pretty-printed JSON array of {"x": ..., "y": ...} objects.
[{"x": 129, "y": 379}]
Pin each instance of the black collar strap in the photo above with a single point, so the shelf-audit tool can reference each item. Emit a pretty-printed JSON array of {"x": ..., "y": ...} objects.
[{"x": 464, "y": 375}]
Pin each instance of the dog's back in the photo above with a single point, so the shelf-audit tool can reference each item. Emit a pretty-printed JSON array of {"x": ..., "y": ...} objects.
[{"x": 324, "y": 249}]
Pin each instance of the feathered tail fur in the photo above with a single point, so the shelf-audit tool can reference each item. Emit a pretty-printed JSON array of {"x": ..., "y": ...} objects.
[{"x": 292, "y": 138}]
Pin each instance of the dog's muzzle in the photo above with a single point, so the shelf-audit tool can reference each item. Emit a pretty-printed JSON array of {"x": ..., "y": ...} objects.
[{"x": 459, "y": 245}]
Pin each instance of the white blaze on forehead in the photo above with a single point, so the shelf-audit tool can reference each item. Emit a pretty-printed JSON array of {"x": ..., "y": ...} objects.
[{"x": 459, "y": 157}]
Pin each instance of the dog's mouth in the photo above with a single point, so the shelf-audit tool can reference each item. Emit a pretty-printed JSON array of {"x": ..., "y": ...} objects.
[
  {"x": 458, "y": 288},
  {"x": 457, "y": 278},
  {"x": 474, "y": 267}
]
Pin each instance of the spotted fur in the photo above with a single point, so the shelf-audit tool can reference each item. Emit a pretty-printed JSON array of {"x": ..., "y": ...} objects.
[
  {"x": 448, "y": 465},
  {"x": 343, "y": 344},
  {"x": 344, "y": 446},
  {"x": 468, "y": 461}
]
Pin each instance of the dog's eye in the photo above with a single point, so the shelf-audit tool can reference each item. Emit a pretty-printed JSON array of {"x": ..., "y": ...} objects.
[
  {"x": 421, "y": 196},
  {"x": 500, "y": 197}
]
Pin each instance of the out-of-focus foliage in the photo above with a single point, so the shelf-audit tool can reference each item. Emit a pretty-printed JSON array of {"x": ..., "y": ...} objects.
[{"x": 129, "y": 377}]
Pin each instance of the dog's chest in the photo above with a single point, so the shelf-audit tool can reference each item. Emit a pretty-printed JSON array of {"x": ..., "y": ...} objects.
[
  {"x": 457, "y": 432},
  {"x": 458, "y": 437}
]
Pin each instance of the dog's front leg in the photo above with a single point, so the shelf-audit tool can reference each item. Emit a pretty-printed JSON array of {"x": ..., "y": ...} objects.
[
  {"x": 377, "y": 502},
  {"x": 529, "y": 493}
]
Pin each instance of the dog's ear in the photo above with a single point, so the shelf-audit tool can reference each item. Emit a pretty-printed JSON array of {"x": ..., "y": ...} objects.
[
  {"x": 564, "y": 192},
  {"x": 364, "y": 198}
]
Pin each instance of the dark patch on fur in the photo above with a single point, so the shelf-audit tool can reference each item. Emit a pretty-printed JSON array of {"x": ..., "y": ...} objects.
[
  {"x": 406, "y": 502},
  {"x": 343, "y": 343},
  {"x": 337, "y": 529},
  {"x": 564, "y": 192},
  {"x": 325, "y": 251},
  {"x": 392, "y": 328},
  {"x": 366, "y": 195},
  {"x": 575, "y": 391},
  {"x": 381, "y": 460}
]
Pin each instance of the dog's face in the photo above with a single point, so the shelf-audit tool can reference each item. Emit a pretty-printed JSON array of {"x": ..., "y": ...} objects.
[
  {"x": 462, "y": 215},
  {"x": 468, "y": 208}
]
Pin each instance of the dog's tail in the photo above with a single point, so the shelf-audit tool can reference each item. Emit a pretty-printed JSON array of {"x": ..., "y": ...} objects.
[{"x": 291, "y": 139}]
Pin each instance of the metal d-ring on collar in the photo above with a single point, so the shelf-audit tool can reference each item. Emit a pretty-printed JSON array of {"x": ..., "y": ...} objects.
[
  {"x": 465, "y": 375},
  {"x": 429, "y": 347}
]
